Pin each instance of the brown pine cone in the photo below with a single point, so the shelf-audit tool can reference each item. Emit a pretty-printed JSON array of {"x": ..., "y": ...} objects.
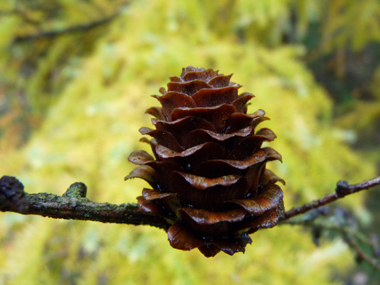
[{"x": 208, "y": 171}]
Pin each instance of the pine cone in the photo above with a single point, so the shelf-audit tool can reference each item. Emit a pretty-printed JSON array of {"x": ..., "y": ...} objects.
[{"x": 208, "y": 175}]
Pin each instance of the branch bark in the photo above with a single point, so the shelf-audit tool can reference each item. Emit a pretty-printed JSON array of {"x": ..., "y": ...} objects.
[
  {"x": 342, "y": 189},
  {"x": 71, "y": 206}
]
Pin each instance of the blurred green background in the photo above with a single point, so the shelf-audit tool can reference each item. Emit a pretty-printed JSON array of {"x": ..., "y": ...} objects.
[{"x": 75, "y": 80}]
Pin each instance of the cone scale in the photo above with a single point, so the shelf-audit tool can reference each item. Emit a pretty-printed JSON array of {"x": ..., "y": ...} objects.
[{"x": 208, "y": 173}]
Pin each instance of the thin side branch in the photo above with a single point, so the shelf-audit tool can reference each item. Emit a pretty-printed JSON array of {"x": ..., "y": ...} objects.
[
  {"x": 350, "y": 235},
  {"x": 56, "y": 33},
  {"x": 361, "y": 255},
  {"x": 342, "y": 189},
  {"x": 328, "y": 225},
  {"x": 71, "y": 206}
]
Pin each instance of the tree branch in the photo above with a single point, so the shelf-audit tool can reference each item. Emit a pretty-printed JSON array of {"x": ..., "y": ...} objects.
[
  {"x": 342, "y": 189},
  {"x": 71, "y": 206},
  {"x": 74, "y": 206}
]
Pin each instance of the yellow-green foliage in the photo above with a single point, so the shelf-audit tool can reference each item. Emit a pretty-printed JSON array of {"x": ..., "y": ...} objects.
[{"x": 93, "y": 125}]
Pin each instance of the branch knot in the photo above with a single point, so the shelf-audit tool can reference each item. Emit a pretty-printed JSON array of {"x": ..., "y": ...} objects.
[
  {"x": 342, "y": 188},
  {"x": 12, "y": 194}
]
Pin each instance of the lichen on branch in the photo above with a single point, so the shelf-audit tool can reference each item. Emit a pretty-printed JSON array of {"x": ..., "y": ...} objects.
[{"x": 73, "y": 205}]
